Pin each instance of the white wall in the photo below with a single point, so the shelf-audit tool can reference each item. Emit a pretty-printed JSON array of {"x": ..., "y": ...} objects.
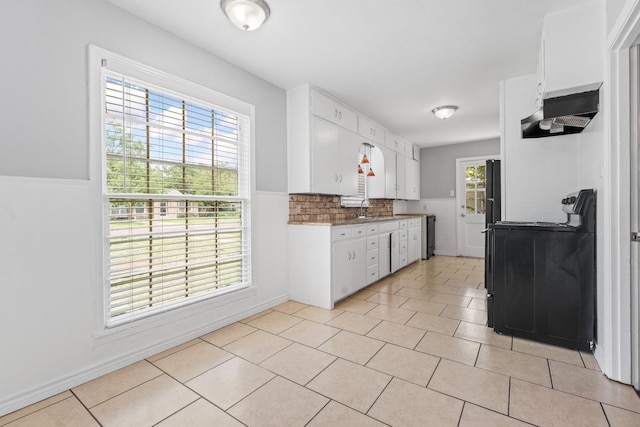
[
  {"x": 445, "y": 212},
  {"x": 52, "y": 336},
  {"x": 536, "y": 173}
]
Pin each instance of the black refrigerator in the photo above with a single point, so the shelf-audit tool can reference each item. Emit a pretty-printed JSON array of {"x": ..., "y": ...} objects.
[{"x": 492, "y": 215}]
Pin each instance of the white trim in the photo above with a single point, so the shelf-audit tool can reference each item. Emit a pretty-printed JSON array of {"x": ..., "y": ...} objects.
[
  {"x": 460, "y": 195},
  {"x": 188, "y": 90},
  {"x": 614, "y": 358},
  {"x": 635, "y": 278},
  {"x": 36, "y": 394}
]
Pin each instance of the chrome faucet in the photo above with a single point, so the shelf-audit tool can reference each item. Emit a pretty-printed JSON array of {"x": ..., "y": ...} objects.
[{"x": 362, "y": 213}]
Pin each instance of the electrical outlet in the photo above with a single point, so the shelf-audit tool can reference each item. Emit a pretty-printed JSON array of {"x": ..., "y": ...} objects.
[
  {"x": 424, "y": 207},
  {"x": 452, "y": 193},
  {"x": 298, "y": 210}
]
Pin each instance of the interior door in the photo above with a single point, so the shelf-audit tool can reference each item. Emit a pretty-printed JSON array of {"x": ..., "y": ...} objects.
[{"x": 471, "y": 181}]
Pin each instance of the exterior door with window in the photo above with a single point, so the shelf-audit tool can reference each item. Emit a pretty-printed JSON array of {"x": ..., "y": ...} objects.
[{"x": 471, "y": 206}]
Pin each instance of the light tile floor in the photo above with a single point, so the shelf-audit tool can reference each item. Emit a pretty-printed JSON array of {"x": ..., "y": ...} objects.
[{"x": 410, "y": 350}]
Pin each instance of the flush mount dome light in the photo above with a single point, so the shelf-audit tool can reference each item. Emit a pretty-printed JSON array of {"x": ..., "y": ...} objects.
[
  {"x": 246, "y": 14},
  {"x": 445, "y": 111}
]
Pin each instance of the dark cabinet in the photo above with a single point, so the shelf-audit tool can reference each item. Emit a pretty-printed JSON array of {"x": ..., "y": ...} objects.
[{"x": 542, "y": 285}]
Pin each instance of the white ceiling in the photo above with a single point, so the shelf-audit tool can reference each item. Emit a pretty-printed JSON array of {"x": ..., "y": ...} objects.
[{"x": 393, "y": 60}]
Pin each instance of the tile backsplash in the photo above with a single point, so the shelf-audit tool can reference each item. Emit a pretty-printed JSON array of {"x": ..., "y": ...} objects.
[{"x": 322, "y": 208}]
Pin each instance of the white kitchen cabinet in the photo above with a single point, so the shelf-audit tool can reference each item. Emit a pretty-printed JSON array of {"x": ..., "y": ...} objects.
[
  {"x": 401, "y": 189},
  {"x": 384, "y": 254},
  {"x": 328, "y": 263},
  {"x": 334, "y": 156},
  {"x": 394, "y": 172},
  {"x": 370, "y": 129},
  {"x": 395, "y": 251},
  {"x": 322, "y": 147},
  {"x": 349, "y": 267},
  {"x": 412, "y": 179},
  {"x": 570, "y": 49},
  {"x": 394, "y": 142},
  {"x": 330, "y": 109},
  {"x": 414, "y": 240}
]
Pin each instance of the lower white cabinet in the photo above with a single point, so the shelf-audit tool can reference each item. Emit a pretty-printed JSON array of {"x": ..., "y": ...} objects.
[
  {"x": 349, "y": 267},
  {"x": 329, "y": 263},
  {"x": 414, "y": 240}
]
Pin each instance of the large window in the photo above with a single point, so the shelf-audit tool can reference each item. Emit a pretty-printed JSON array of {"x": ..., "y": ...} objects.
[{"x": 176, "y": 194}]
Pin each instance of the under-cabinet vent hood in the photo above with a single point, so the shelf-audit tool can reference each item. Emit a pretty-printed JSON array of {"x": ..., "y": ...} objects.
[{"x": 563, "y": 112}]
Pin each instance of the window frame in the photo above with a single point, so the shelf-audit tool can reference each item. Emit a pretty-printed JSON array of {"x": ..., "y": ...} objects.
[{"x": 176, "y": 86}]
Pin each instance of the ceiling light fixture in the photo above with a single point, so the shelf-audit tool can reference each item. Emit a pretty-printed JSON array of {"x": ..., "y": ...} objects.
[
  {"x": 445, "y": 111},
  {"x": 246, "y": 14}
]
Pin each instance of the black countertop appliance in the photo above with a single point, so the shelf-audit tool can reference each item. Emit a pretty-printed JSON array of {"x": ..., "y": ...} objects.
[{"x": 541, "y": 276}]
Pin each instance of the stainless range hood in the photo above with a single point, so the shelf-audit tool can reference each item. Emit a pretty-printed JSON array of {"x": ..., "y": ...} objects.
[{"x": 563, "y": 112}]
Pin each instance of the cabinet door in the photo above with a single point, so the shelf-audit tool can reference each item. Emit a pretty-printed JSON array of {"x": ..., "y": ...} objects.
[
  {"x": 395, "y": 251},
  {"x": 347, "y": 163},
  {"x": 337, "y": 113},
  {"x": 412, "y": 179},
  {"x": 414, "y": 244},
  {"x": 384, "y": 255},
  {"x": 370, "y": 129},
  {"x": 324, "y": 151},
  {"x": 400, "y": 177},
  {"x": 349, "y": 267},
  {"x": 389, "y": 172}
]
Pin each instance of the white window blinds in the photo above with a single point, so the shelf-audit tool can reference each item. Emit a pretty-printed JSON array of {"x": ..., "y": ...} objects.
[{"x": 176, "y": 183}]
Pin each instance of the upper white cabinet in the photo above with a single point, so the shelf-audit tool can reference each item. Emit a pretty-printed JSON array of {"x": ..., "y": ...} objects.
[
  {"x": 394, "y": 142},
  {"x": 412, "y": 179},
  {"x": 329, "y": 109},
  {"x": 323, "y": 139},
  {"x": 322, "y": 144},
  {"x": 571, "y": 48},
  {"x": 370, "y": 129},
  {"x": 334, "y": 156}
]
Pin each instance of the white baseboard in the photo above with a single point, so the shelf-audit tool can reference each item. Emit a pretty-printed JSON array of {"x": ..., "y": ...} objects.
[
  {"x": 21, "y": 400},
  {"x": 445, "y": 253}
]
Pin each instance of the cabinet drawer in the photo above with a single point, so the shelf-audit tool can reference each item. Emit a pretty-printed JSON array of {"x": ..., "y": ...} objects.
[
  {"x": 372, "y": 257},
  {"x": 403, "y": 235},
  {"x": 402, "y": 224},
  {"x": 359, "y": 231},
  {"x": 403, "y": 260},
  {"x": 372, "y": 274},
  {"x": 372, "y": 242},
  {"x": 412, "y": 222},
  {"x": 333, "y": 111},
  {"x": 372, "y": 229},
  {"x": 403, "y": 247},
  {"x": 341, "y": 233},
  {"x": 388, "y": 226}
]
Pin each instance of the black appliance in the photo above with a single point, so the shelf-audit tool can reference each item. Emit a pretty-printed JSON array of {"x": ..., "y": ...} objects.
[
  {"x": 541, "y": 279},
  {"x": 563, "y": 112},
  {"x": 492, "y": 215},
  {"x": 429, "y": 236},
  {"x": 493, "y": 212}
]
